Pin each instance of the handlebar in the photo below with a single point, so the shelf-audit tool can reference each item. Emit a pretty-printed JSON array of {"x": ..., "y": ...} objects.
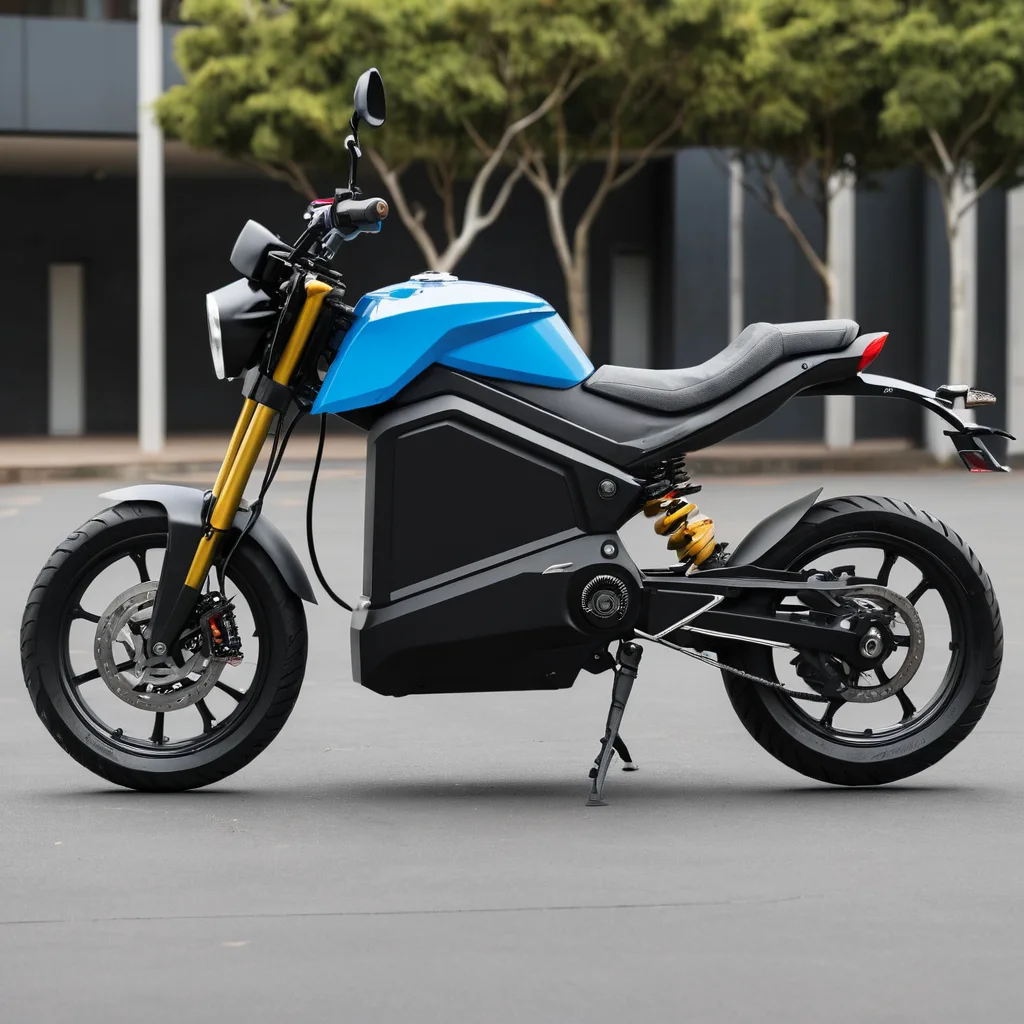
[
  {"x": 338, "y": 220},
  {"x": 353, "y": 214}
]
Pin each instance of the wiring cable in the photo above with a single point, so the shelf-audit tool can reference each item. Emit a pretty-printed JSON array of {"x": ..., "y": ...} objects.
[{"x": 309, "y": 518}]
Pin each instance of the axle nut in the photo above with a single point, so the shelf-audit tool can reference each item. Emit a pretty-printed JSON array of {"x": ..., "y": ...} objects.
[{"x": 871, "y": 645}]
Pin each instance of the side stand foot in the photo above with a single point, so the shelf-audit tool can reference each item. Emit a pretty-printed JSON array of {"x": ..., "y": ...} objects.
[{"x": 627, "y": 663}]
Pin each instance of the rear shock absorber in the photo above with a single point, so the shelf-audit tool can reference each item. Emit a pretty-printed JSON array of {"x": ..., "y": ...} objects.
[{"x": 690, "y": 535}]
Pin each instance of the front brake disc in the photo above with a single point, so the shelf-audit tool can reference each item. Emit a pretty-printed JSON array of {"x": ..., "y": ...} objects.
[{"x": 163, "y": 686}]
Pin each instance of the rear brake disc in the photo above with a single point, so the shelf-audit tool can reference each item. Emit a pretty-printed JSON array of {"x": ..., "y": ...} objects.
[{"x": 891, "y": 604}]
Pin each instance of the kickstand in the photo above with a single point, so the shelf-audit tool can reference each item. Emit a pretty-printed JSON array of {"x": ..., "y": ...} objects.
[{"x": 627, "y": 663}]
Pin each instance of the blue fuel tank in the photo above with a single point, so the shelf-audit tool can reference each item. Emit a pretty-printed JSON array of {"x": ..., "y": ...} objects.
[{"x": 483, "y": 329}]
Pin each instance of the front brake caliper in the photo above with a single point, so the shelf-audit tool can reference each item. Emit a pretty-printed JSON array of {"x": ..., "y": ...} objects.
[{"x": 221, "y": 640}]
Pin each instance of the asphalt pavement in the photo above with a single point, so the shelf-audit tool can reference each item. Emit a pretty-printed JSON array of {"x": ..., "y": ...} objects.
[{"x": 431, "y": 858}]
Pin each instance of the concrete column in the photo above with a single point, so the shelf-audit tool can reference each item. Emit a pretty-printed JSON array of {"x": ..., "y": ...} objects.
[
  {"x": 736, "y": 313},
  {"x": 1015, "y": 317},
  {"x": 152, "y": 368},
  {"x": 842, "y": 258},
  {"x": 66, "y": 350}
]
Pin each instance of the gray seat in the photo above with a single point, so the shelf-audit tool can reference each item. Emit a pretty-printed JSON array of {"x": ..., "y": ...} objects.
[{"x": 760, "y": 347}]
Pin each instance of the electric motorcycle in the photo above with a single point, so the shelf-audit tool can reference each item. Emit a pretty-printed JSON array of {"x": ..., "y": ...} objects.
[{"x": 164, "y": 642}]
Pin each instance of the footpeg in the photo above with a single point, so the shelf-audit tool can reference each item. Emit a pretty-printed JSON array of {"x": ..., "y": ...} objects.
[{"x": 627, "y": 663}]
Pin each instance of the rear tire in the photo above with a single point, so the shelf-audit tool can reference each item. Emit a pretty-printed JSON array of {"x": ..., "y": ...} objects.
[
  {"x": 230, "y": 744},
  {"x": 787, "y": 733}
]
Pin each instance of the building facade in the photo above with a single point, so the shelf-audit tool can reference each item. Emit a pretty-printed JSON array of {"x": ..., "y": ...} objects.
[{"x": 662, "y": 260}]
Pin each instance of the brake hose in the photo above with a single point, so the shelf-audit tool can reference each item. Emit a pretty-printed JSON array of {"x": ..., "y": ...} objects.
[{"x": 309, "y": 518}]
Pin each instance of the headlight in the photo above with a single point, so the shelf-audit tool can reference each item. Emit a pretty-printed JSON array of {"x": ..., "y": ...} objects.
[
  {"x": 216, "y": 342},
  {"x": 239, "y": 317}
]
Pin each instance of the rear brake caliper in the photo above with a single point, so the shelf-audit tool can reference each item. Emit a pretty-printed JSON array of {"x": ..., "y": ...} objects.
[{"x": 221, "y": 640}]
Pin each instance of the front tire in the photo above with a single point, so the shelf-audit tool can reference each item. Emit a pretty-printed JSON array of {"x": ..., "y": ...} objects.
[
  {"x": 817, "y": 747},
  {"x": 249, "y": 719}
]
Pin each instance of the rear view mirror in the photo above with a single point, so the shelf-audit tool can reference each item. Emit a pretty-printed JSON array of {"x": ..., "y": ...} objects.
[{"x": 369, "y": 101}]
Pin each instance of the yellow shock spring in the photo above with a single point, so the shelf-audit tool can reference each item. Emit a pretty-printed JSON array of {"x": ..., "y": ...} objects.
[{"x": 690, "y": 535}]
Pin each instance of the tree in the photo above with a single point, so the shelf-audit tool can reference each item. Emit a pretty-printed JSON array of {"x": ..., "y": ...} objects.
[
  {"x": 814, "y": 78},
  {"x": 956, "y": 107},
  {"x": 271, "y": 83},
  {"x": 626, "y": 77}
]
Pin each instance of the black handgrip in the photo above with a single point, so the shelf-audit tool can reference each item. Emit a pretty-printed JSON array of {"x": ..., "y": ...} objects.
[{"x": 357, "y": 213}]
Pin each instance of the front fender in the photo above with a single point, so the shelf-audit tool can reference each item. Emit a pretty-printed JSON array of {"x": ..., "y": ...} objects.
[{"x": 184, "y": 508}]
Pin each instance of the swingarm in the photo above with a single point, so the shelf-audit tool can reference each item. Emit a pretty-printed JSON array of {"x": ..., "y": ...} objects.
[{"x": 829, "y": 613}]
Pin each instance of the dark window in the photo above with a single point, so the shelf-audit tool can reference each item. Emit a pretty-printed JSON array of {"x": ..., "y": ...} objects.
[{"x": 98, "y": 10}]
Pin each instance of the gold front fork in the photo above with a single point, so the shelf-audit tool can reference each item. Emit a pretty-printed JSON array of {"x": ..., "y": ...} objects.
[{"x": 247, "y": 440}]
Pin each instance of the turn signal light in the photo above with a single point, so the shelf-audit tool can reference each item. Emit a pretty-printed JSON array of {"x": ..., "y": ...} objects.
[{"x": 871, "y": 352}]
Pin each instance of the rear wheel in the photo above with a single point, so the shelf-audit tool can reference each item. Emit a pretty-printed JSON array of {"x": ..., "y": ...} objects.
[
  {"x": 178, "y": 728},
  {"x": 903, "y": 732}
]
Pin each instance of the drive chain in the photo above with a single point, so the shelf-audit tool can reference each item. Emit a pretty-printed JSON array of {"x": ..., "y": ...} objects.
[{"x": 772, "y": 684}]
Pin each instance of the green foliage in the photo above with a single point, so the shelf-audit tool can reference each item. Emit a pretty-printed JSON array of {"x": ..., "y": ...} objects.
[
  {"x": 273, "y": 81},
  {"x": 957, "y": 69},
  {"x": 627, "y": 78},
  {"x": 632, "y": 65},
  {"x": 815, "y": 80}
]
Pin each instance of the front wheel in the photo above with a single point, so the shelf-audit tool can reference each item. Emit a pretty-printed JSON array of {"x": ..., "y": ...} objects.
[
  {"x": 188, "y": 725},
  {"x": 955, "y": 666}
]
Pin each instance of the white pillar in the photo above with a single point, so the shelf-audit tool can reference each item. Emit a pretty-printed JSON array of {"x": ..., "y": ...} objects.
[
  {"x": 1015, "y": 316},
  {"x": 66, "y": 350},
  {"x": 152, "y": 368},
  {"x": 736, "y": 323},
  {"x": 840, "y": 417}
]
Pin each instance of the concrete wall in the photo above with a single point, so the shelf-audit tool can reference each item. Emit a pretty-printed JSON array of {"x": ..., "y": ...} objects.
[
  {"x": 889, "y": 294},
  {"x": 203, "y": 219}
]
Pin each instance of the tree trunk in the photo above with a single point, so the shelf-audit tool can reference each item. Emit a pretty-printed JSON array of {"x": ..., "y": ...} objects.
[
  {"x": 574, "y": 259},
  {"x": 961, "y": 290},
  {"x": 578, "y": 295},
  {"x": 961, "y": 239},
  {"x": 736, "y": 250}
]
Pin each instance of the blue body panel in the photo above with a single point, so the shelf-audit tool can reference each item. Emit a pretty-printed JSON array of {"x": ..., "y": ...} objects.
[{"x": 482, "y": 329}]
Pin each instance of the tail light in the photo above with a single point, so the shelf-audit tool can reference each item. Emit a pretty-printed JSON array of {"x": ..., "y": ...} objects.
[{"x": 871, "y": 352}]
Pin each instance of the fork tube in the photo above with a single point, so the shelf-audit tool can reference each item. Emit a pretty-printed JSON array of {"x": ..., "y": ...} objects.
[
  {"x": 247, "y": 441},
  {"x": 244, "y": 418}
]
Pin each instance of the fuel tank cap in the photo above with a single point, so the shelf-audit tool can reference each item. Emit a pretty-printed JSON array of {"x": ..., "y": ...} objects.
[{"x": 434, "y": 277}]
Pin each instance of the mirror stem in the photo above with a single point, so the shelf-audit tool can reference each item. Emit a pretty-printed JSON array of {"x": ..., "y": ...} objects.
[{"x": 354, "y": 153}]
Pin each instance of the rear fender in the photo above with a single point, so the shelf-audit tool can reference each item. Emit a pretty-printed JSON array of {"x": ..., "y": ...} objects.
[
  {"x": 966, "y": 437},
  {"x": 184, "y": 508},
  {"x": 763, "y": 537}
]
